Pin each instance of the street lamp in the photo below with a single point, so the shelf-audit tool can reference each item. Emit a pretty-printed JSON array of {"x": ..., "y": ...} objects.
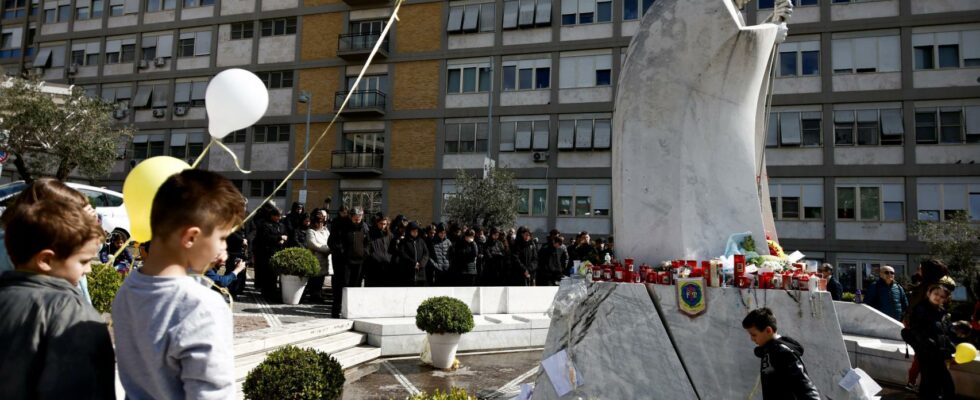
[{"x": 307, "y": 98}]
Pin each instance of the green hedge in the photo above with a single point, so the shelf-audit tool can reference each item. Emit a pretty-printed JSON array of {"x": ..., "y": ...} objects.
[
  {"x": 295, "y": 374},
  {"x": 103, "y": 283},
  {"x": 295, "y": 261},
  {"x": 444, "y": 315},
  {"x": 453, "y": 394}
]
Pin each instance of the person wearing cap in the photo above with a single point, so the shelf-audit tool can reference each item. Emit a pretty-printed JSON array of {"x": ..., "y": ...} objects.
[
  {"x": 412, "y": 257},
  {"x": 348, "y": 244},
  {"x": 888, "y": 296}
]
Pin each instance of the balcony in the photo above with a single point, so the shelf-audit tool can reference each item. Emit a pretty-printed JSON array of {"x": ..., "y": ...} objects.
[
  {"x": 358, "y": 46},
  {"x": 353, "y": 163},
  {"x": 362, "y": 103}
]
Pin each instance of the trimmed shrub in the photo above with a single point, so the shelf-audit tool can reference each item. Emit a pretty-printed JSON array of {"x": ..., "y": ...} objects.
[
  {"x": 444, "y": 314},
  {"x": 295, "y": 374},
  {"x": 295, "y": 261},
  {"x": 103, "y": 283},
  {"x": 454, "y": 394}
]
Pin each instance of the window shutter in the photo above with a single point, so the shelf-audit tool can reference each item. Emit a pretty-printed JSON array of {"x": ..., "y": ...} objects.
[{"x": 165, "y": 46}]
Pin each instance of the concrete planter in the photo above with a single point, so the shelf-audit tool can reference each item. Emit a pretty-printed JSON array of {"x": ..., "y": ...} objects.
[
  {"x": 292, "y": 288},
  {"x": 443, "y": 346}
]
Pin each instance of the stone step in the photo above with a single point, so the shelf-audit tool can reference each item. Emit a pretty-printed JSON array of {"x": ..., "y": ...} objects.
[
  {"x": 357, "y": 355},
  {"x": 265, "y": 340},
  {"x": 331, "y": 344}
]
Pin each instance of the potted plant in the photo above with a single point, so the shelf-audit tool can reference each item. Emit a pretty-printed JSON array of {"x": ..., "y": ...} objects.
[
  {"x": 298, "y": 374},
  {"x": 444, "y": 319},
  {"x": 294, "y": 266}
]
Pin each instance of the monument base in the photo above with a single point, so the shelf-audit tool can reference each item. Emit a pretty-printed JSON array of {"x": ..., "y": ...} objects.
[{"x": 630, "y": 341}]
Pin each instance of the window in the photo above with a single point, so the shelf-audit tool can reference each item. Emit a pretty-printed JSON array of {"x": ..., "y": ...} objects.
[
  {"x": 367, "y": 200},
  {"x": 467, "y": 137},
  {"x": 190, "y": 94},
  {"x": 947, "y": 125},
  {"x": 585, "y": 71},
  {"x": 526, "y": 75},
  {"x": 279, "y": 27},
  {"x": 799, "y": 59},
  {"x": 868, "y": 127},
  {"x": 884, "y": 202},
  {"x": 270, "y": 133},
  {"x": 526, "y": 13},
  {"x": 85, "y": 54},
  {"x": 242, "y": 30},
  {"x": 186, "y": 146},
  {"x": 942, "y": 201},
  {"x": 277, "y": 79},
  {"x": 532, "y": 201},
  {"x": 158, "y": 5},
  {"x": 794, "y": 201},
  {"x": 120, "y": 96},
  {"x": 468, "y": 79},
  {"x": 239, "y": 136},
  {"x": 584, "y": 134},
  {"x": 82, "y": 13},
  {"x": 50, "y": 57},
  {"x": 582, "y": 12},
  {"x": 944, "y": 50},
  {"x": 583, "y": 200},
  {"x": 769, "y": 4},
  {"x": 264, "y": 188},
  {"x": 631, "y": 8},
  {"x": 194, "y": 44},
  {"x": 120, "y": 51},
  {"x": 866, "y": 54},
  {"x": 146, "y": 146},
  {"x": 524, "y": 135},
  {"x": 64, "y": 13},
  {"x": 364, "y": 142},
  {"x": 116, "y": 10},
  {"x": 157, "y": 47},
  {"x": 471, "y": 18},
  {"x": 14, "y": 8},
  {"x": 793, "y": 129},
  {"x": 198, "y": 3}
]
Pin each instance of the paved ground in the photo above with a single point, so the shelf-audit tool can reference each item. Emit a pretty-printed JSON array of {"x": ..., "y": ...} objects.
[
  {"x": 487, "y": 376},
  {"x": 252, "y": 312}
]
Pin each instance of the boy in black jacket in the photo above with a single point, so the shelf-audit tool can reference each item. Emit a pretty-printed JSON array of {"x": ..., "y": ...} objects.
[{"x": 783, "y": 373}]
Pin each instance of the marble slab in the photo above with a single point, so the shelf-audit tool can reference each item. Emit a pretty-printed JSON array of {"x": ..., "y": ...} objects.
[
  {"x": 618, "y": 346},
  {"x": 862, "y": 320}
]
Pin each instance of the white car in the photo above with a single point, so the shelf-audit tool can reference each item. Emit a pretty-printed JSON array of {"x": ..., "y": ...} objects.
[{"x": 107, "y": 203}]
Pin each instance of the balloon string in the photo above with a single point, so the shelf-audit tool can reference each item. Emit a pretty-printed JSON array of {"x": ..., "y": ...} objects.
[
  {"x": 232, "y": 154},
  {"x": 340, "y": 110},
  {"x": 205, "y": 152}
]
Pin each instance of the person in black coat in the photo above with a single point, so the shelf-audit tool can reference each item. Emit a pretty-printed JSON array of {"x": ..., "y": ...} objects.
[
  {"x": 465, "y": 254},
  {"x": 833, "y": 285},
  {"x": 412, "y": 257},
  {"x": 551, "y": 262},
  {"x": 270, "y": 238},
  {"x": 783, "y": 374},
  {"x": 294, "y": 222},
  {"x": 930, "y": 338},
  {"x": 377, "y": 269},
  {"x": 496, "y": 259},
  {"x": 524, "y": 259},
  {"x": 348, "y": 248}
]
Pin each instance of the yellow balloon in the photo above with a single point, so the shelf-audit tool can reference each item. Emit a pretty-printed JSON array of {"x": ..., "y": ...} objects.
[
  {"x": 965, "y": 353},
  {"x": 141, "y": 187}
]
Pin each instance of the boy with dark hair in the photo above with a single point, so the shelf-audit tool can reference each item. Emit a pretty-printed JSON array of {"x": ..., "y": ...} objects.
[
  {"x": 53, "y": 344},
  {"x": 783, "y": 374},
  {"x": 171, "y": 328}
]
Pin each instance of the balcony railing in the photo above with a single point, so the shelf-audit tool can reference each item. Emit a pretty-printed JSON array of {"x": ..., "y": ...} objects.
[
  {"x": 362, "y": 102},
  {"x": 359, "y": 45},
  {"x": 359, "y": 162}
]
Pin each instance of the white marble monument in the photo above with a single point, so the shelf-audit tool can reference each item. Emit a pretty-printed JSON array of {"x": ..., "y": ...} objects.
[{"x": 689, "y": 131}]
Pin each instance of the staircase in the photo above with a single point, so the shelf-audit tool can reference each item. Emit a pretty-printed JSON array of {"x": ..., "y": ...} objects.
[{"x": 332, "y": 336}]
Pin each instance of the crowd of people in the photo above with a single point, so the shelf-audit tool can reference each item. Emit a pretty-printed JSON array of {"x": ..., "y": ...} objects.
[{"x": 356, "y": 250}]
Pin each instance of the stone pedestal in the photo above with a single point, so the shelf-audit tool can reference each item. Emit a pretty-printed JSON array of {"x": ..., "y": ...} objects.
[{"x": 621, "y": 347}]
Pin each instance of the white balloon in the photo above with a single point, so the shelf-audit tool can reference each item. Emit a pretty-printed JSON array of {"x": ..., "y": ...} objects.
[{"x": 235, "y": 99}]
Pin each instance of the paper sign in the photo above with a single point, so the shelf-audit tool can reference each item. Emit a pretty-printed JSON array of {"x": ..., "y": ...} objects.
[
  {"x": 859, "y": 384},
  {"x": 795, "y": 256},
  {"x": 561, "y": 372}
]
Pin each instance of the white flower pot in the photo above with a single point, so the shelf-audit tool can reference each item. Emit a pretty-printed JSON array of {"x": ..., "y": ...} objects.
[
  {"x": 443, "y": 346},
  {"x": 292, "y": 288}
]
